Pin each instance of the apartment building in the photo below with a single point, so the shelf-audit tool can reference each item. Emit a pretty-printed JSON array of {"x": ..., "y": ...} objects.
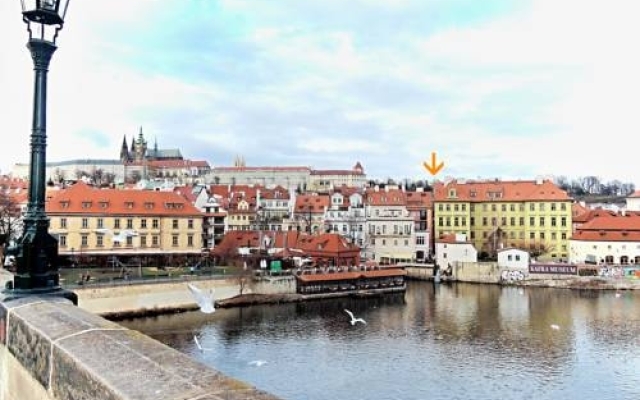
[
  {"x": 390, "y": 226},
  {"x": 108, "y": 222},
  {"x": 346, "y": 215},
  {"x": 532, "y": 215}
]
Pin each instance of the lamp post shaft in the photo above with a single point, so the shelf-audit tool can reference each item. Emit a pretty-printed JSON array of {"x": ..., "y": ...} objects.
[{"x": 37, "y": 252}]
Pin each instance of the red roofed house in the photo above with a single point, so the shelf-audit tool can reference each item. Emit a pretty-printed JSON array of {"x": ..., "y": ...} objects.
[
  {"x": 101, "y": 223},
  {"x": 609, "y": 238}
]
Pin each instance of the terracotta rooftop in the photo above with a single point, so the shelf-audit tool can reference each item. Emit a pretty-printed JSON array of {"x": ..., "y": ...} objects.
[
  {"x": 483, "y": 191},
  {"x": 81, "y": 198}
]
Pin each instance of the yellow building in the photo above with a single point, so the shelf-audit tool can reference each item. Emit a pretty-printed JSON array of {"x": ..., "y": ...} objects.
[
  {"x": 531, "y": 215},
  {"x": 91, "y": 222}
]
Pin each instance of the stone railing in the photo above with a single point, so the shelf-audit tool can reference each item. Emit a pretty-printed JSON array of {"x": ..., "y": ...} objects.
[{"x": 51, "y": 349}]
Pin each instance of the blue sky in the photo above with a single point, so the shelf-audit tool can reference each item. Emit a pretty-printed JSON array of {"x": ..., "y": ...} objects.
[{"x": 498, "y": 88}]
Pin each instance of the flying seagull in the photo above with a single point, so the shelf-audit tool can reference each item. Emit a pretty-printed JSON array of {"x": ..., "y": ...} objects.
[
  {"x": 555, "y": 327},
  {"x": 204, "y": 300},
  {"x": 354, "y": 319},
  {"x": 120, "y": 237},
  {"x": 203, "y": 349}
]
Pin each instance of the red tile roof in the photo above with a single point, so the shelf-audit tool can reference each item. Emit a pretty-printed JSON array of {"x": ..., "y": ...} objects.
[
  {"x": 609, "y": 227},
  {"x": 81, "y": 198},
  {"x": 173, "y": 164},
  {"x": 483, "y": 191},
  {"x": 419, "y": 200},
  {"x": 384, "y": 197},
  {"x": 312, "y": 203}
]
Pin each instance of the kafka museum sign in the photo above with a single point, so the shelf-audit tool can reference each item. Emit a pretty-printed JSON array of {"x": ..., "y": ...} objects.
[{"x": 556, "y": 269}]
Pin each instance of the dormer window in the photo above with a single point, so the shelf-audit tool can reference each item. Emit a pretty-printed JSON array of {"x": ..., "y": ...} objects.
[
  {"x": 452, "y": 193},
  {"x": 148, "y": 205},
  {"x": 86, "y": 204},
  {"x": 128, "y": 204},
  {"x": 64, "y": 204},
  {"x": 103, "y": 204}
]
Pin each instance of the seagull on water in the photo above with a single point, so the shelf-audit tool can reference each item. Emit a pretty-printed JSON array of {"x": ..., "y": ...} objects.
[
  {"x": 555, "y": 327},
  {"x": 202, "y": 349},
  {"x": 618, "y": 294},
  {"x": 257, "y": 363},
  {"x": 354, "y": 319},
  {"x": 204, "y": 300}
]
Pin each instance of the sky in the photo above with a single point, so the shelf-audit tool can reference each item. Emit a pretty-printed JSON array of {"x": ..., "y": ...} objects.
[{"x": 510, "y": 89}]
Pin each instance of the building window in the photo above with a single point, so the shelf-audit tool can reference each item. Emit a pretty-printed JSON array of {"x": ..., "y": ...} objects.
[
  {"x": 553, "y": 221},
  {"x": 541, "y": 221},
  {"x": 472, "y": 235},
  {"x": 563, "y": 236},
  {"x": 513, "y": 221},
  {"x": 420, "y": 240},
  {"x": 563, "y": 206},
  {"x": 493, "y": 207},
  {"x": 116, "y": 223},
  {"x": 155, "y": 240},
  {"x": 532, "y": 235},
  {"x": 100, "y": 241},
  {"x": 532, "y": 221},
  {"x": 554, "y": 236},
  {"x": 100, "y": 223},
  {"x": 84, "y": 240},
  {"x": 155, "y": 223},
  {"x": 190, "y": 240},
  {"x": 190, "y": 224},
  {"x": 85, "y": 223},
  {"x": 129, "y": 241},
  {"x": 129, "y": 223},
  {"x": 472, "y": 221},
  {"x": 521, "y": 221},
  {"x": 143, "y": 241},
  {"x": 563, "y": 221},
  {"x": 175, "y": 224},
  {"x": 541, "y": 206},
  {"x": 553, "y": 206},
  {"x": 143, "y": 224},
  {"x": 440, "y": 221},
  {"x": 63, "y": 223},
  {"x": 484, "y": 221},
  {"x": 504, "y": 208},
  {"x": 456, "y": 222},
  {"x": 541, "y": 235},
  {"x": 62, "y": 240},
  {"x": 174, "y": 240},
  {"x": 532, "y": 207}
]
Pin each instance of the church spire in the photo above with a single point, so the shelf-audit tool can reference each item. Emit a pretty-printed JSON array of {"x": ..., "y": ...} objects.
[{"x": 124, "y": 153}]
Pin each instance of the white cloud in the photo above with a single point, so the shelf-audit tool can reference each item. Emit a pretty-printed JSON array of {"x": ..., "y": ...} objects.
[{"x": 550, "y": 88}]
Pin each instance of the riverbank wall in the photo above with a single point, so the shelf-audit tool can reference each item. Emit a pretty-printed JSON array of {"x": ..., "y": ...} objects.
[{"x": 491, "y": 273}]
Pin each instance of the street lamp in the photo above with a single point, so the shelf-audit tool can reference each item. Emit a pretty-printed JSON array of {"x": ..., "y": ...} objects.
[{"x": 37, "y": 251}]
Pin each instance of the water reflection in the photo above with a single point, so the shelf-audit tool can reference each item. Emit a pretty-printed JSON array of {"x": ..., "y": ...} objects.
[{"x": 448, "y": 341}]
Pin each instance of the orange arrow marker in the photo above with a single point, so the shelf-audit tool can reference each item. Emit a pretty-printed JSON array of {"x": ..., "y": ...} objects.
[{"x": 434, "y": 167}]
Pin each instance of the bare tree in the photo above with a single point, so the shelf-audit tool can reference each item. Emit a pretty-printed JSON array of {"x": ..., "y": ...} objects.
[
  {"x": 10, "y": 217},
  {"x": 244, "y": 277}
]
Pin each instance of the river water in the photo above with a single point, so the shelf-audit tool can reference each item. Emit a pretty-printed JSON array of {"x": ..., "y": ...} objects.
[{"x": 456, "y": 341}]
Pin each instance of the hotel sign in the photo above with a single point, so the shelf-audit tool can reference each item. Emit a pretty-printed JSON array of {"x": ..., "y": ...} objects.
[{"x": 556, "y": 269}]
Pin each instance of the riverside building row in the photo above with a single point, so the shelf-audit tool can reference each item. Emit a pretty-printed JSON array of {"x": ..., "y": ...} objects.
[{"x": 388, "y": 224}]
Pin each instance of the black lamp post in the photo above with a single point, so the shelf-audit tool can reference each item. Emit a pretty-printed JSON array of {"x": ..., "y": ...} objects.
[{"x": 37, "y": 251}]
